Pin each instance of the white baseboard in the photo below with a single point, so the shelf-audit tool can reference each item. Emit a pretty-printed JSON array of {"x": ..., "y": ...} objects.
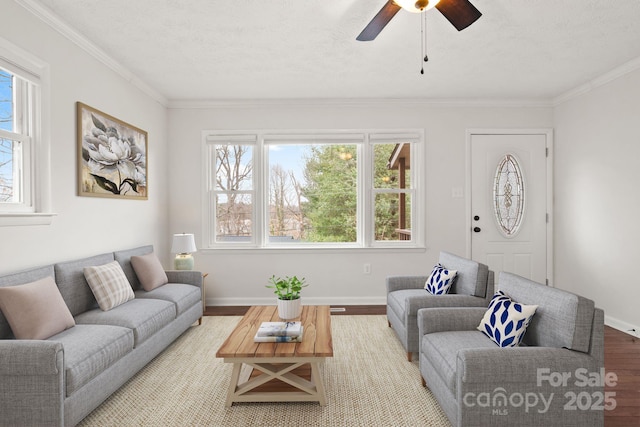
[
  {"x": 335, "y": 301},
  {"x": 622, "y": 326}
]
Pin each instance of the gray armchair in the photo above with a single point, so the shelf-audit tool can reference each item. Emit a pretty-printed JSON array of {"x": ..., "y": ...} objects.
[
  {"x": 553, "y": 378},
  {"x": 473, "y": 287}
]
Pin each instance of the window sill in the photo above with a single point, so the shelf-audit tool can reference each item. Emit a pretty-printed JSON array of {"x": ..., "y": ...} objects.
[
  {"x": 313, "y": 250},
  {"x": 16, "y": 219}
]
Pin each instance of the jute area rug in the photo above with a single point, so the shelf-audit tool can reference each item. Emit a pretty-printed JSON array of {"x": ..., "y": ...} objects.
[{"x": 369, "y": 382}]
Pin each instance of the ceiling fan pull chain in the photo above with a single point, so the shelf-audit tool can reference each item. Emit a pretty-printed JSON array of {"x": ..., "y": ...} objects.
[
  {"x": 425, "y": 37},
  {"x": 421, "y": 46},
  {"x": 423, "y": 42}
]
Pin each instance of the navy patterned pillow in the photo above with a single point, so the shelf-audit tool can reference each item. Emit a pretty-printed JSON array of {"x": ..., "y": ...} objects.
[
  {"x": 440, "y": 280},
  {"x": 506, "y": 321}
]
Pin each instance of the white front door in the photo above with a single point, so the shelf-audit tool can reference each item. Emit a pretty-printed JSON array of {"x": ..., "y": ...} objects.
[{"x": 510, "y": 204}]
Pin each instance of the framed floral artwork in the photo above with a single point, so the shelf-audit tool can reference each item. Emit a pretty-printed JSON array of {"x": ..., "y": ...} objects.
[{"x": 112, "y": 156}]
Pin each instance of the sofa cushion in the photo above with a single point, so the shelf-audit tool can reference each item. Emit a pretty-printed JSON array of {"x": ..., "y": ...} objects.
[
  {"x": 35, "y": 310},
  {"x": 89, "y": 350},
  {"x": 149, "y": 271},
  {"x": 440, "y": 280},
  {"x": 183, "y": 296},
  {"x": 441, "y": 350},
  {"x": 20, "y": 278},
  {"x": 124, "y": 258},
  {"x": 506, "y": 321},
  {"x": 144, "y": 316},
  {"x": 562, "y": 319},
  {"x": 73, "y": 285},
  {"x": 471, "y": 278},
  {"x": 109, "y": 285}
]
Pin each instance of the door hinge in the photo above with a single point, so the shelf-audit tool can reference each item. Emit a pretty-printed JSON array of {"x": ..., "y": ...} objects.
[
  {"x": 546, "y": 151},
  {"x": 546, "y": 281},
  {"x": 547, "y": 218}
]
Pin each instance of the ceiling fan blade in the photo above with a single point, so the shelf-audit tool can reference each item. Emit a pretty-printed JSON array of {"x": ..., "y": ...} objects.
[
  {"x": 461, "y": 13},
  {"x": 379, "y": 21}
]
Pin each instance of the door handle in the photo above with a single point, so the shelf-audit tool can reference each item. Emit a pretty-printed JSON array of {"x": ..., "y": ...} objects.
[{"x": 476, "y": 229}]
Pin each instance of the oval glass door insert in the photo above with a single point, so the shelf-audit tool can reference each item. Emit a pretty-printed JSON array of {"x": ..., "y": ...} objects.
[{"x": 508, "y": 195}]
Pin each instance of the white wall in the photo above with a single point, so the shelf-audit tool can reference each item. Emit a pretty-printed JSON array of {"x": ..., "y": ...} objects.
[
  {"x": 597, "y": 198},
  {"x": 85, "y": 225},
  {"x": 336, "y": 278}
]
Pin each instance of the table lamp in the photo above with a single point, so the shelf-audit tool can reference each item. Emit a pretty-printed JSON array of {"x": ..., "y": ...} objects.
[{"x": 183, "y": 246}]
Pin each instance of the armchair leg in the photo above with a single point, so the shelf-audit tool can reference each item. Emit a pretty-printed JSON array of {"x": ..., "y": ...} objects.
[
  {"x": 388, "y": 323},
  {"x": 409, "y": 356},
  {"x": 424, "y": 383},
  {"x": 200, "y": 321}
]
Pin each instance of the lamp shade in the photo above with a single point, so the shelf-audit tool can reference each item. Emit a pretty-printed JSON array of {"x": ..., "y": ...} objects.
[{"x": 183, "y": 244}]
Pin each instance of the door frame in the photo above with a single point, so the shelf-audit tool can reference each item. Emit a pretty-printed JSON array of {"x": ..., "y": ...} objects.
[{"x": 548, "y": 132}]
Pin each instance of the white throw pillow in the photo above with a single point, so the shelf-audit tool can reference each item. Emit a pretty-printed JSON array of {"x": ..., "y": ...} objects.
[
  {"x": 506, "y": 321},
  {"x": 440, "y": 280},
  {"x": 109, "y": 285},
  {"x": 36, "y": 310}
]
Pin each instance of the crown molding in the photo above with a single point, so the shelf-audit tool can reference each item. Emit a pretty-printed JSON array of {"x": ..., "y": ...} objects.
[
  {"x": 360, "y": 102},
  {"x": 51, "y": 19},
  {"x": 602, "y": 80}
]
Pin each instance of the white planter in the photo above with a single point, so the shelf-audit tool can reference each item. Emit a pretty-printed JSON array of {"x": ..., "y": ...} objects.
[{"x": 289, "y": 309}]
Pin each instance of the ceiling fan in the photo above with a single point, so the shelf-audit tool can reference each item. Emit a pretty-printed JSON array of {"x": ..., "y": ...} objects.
[{"x": 461, "y": 13}]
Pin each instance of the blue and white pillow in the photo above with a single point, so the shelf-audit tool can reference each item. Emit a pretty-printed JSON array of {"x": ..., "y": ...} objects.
[
  {"x": 440, "y": 280},
  {"x": 506, "y": 321}
]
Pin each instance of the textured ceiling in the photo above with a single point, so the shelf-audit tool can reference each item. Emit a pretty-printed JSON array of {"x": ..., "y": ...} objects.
[{"x": 265, "y": 49}]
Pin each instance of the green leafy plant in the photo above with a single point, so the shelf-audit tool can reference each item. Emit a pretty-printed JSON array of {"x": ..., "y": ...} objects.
[{"x": 288, "y": 288}]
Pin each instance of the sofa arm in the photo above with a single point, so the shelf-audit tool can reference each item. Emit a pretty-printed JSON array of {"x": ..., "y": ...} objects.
[
  {"x": 188, "y": 277},
  {"x": 531, "y": 386},
  {"x": 432, "y": 320},
  {"x": 415, "y": 303},
  {"x": 31, "y": 383},
  {"x": 27, "y": 357},
  {"x": 519, "y": 364},
  {"x": 395, "y": 283}
]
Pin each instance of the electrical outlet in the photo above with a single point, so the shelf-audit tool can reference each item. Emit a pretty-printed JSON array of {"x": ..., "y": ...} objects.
[{"x": 366, "y": 268}]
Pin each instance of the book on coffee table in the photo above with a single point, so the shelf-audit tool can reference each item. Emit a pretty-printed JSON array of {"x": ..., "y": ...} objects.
[
  {"x": 279, "y": 329},
  {"x": 281, "y": 338}
]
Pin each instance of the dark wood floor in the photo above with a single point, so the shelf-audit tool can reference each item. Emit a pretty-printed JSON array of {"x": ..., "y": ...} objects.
[{"x": 621, "y": 356}]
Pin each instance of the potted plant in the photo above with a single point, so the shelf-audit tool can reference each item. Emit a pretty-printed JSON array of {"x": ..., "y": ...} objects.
[{"x": 288, "y": 292}]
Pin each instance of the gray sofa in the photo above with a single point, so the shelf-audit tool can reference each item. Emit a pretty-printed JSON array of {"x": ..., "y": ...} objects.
[
  {"x": 551, "y": 379},
  {"x": 473, "y": 287},
  {"x": 60, "y": 380}
]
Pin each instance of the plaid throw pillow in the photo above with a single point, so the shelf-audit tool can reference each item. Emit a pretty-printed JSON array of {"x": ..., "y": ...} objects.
[{"x": 109, "y": 285}]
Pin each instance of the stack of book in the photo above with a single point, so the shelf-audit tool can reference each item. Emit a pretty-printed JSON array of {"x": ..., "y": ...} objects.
[{"x": 279, "y": 332}]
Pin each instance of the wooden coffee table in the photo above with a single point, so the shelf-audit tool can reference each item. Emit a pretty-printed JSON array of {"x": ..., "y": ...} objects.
[{"x": 278, "y": 372}]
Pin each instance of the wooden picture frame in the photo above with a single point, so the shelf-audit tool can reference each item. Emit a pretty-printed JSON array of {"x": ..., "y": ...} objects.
[{"x": 112, "y": 156}]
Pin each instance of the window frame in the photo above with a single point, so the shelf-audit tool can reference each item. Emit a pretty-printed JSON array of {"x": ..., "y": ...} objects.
[
  {"x": 364, "y": 139},
  {"x": 31, "y": 96}
]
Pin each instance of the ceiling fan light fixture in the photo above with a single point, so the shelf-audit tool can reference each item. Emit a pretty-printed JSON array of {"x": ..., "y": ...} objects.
[{"x": 416, "y": 6}]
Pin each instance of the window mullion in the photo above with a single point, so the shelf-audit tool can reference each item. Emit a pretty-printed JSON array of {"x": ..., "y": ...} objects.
[
  {"x": 261, "y": 182},
  {"x": 365, "y": 195}
]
